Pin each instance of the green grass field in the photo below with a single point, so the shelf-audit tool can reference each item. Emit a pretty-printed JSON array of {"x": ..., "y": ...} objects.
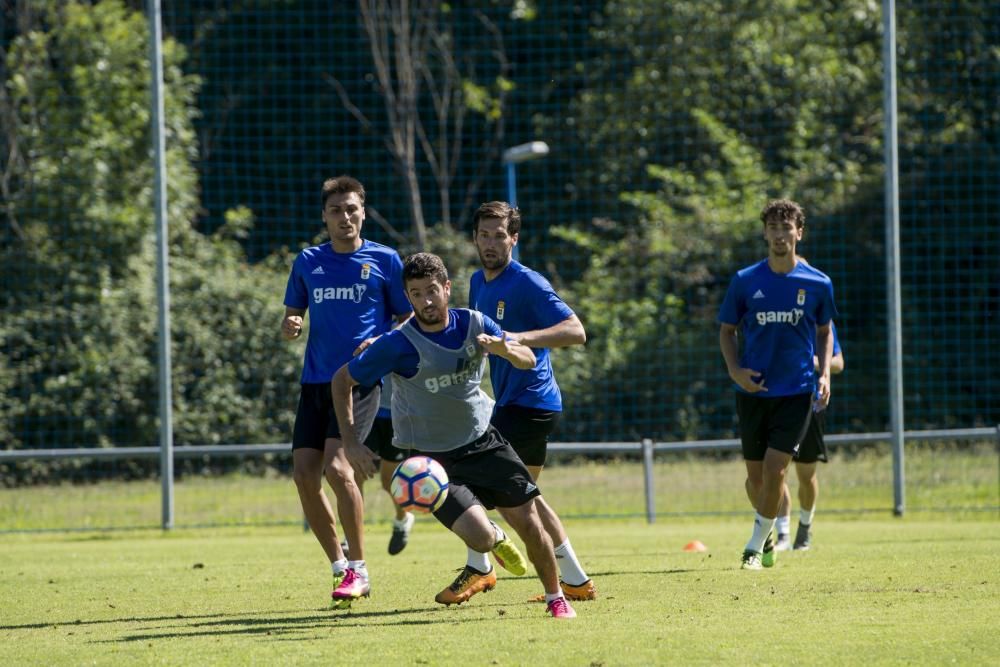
[
  {"x": 239, "y": 581},
  {"x": 871, "y": 591}
]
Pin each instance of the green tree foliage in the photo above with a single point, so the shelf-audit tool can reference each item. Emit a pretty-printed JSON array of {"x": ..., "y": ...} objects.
[
  {"x": 80, "y": 329},
  {"x": 728, "y": 103}
]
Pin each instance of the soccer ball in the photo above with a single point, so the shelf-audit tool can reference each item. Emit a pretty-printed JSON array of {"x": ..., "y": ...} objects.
[{"x": 420, "y": 484}]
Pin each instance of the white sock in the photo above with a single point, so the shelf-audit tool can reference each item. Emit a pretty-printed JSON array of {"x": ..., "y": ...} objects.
[
  {"x": 479, "y": 562},
  {"x": 338, "y": 566},
  {"x": 358, "y": 566},
  {"x": 401, "y": 523},
  {"x": 498, "y": 533},
  {"x": 549, "y": 597},
  {"x": 783, "y": 524},
  {"x": 762, "y": 527},
  {"x": 806, "y": 516},
  {"x": 569, "y": 567}
]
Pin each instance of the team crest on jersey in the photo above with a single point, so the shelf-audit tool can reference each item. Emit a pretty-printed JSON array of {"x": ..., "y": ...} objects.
[
  {"x": 366, "y": 271},
  {"x": 500, "y": 305},
  {"x": 801, "y": 300},
  {"x": 470, "y": 350}
]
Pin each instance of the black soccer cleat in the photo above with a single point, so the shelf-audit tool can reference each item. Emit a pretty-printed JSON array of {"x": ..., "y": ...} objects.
[{"x": 802, "y": 537}]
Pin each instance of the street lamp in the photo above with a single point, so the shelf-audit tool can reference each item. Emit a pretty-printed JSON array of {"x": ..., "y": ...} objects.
[{"x": 515, "y": 155}]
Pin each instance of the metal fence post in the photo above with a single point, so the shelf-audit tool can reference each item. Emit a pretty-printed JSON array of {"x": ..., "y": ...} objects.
[
  {"x": 162, "y": 265},
  {"x": 647, "y": 468}
]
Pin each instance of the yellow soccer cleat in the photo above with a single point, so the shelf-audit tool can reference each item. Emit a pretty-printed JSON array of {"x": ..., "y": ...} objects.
[{"x": 509, "y": 557}]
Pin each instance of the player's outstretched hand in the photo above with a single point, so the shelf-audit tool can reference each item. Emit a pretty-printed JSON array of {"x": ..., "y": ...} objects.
[
  {"x": 361, "y": 459},
  {"x": 744, "y": 377},
  {"x": 492, "y": 344}
]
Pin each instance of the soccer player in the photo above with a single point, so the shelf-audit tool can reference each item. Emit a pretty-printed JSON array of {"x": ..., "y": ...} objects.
[
  {"x": 782, "y": 309},
  {"x": 813, "y": 449},
  {"x": 439, "y": 409},
  {"x": 528, "y": 401},
  {"x": 352, "y": 289},
  {"x": 380, "y": 441}
]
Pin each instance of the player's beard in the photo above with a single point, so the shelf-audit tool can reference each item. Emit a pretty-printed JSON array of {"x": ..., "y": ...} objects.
[
  {"x": 428, "y": 316},
  {"x": 494, "y": 263}
]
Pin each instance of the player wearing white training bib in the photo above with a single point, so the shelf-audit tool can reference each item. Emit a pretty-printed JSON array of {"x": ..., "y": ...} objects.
[{"x": 439, "y": 409}]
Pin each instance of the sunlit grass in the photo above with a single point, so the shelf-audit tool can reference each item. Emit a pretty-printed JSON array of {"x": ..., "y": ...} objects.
[
  {"x": 875, "y": 591},
  {"x": 960, "y": 481}
]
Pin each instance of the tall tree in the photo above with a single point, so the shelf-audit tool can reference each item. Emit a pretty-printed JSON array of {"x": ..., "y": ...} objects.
[{"x": 428, "y": 90}]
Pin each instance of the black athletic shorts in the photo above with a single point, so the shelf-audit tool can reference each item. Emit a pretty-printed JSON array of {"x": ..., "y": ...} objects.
[
  {"x": 526, "y": 429},
  {"x": 813, "y": 447},
  {"x": 380, "y": 441},
  {"x": 485, "y": 472},
  {"x": 316, "y": 421},
  {"x": 779, "y": 423}
]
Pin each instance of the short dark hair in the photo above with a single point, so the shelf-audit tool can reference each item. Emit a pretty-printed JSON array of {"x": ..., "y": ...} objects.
[
  {"x": 424, "y": 265},
  {"x": 784, "y": 209},
  {"x": 340, "y": 184},
  {"x": 498, "y": 209}
]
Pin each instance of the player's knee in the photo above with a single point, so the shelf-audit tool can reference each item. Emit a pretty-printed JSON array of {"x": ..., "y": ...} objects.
[
  {"x": 339, "y": 474},
  {"x": 385, "y": 476},
  {"x": 307, "y": 481}
]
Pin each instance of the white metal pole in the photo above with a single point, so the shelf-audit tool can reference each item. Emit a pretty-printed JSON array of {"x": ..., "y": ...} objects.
[
  {"x": 162, "y": 266},
  {"x": 895, "y": 333},
  {"x": 647, "y": 468}
]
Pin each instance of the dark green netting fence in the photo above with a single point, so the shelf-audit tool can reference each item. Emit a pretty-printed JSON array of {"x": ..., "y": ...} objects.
[{"x": 669, "y": 126}]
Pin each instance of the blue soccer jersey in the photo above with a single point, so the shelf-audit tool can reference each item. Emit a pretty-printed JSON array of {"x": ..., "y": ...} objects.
[
  {"x": 349, "y": 296},
  {"x": 520, "y": 299},
  {"x": 777, "y": 315},
  {"x": 393, "y": 353}
]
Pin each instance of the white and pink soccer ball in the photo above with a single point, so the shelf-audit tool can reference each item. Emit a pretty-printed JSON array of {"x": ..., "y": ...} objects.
[{"x": 419, "y": 484}]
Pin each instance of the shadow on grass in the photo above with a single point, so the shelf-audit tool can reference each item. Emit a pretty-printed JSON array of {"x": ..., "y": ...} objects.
[
  {"x": 266, "y": 622},
  {"x": 333, "y": 619},
  {"x": 103, "y": 621}
]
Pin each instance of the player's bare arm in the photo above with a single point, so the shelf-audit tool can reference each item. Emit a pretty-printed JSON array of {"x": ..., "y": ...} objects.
[
  {"x": 291, "y": 326},
  {"x": 824, "y": 353},
  {"x": 730, "y": 347},
  {"x": 568, "y": 332},
  {"x": 359, "y": 456},
  {"x": 516, "y": 353},
  {"x": 836, "y": 363}
]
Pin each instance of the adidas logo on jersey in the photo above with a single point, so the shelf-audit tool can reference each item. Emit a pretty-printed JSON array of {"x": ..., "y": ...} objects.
[
  {"x": 318, "y": 271},
  {"x": 351, "y": 293},
  {"x": 758, "y": 295},
  {"x": 780, "y": 316}
]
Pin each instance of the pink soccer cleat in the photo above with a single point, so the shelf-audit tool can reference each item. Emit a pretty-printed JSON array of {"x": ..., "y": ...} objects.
[
  {"x": 353, "y": 586},
  {"x": 559, "y": 608}
]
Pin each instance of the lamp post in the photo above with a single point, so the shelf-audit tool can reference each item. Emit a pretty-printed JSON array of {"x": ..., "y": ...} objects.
[{"x": 514, "y": 156}]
